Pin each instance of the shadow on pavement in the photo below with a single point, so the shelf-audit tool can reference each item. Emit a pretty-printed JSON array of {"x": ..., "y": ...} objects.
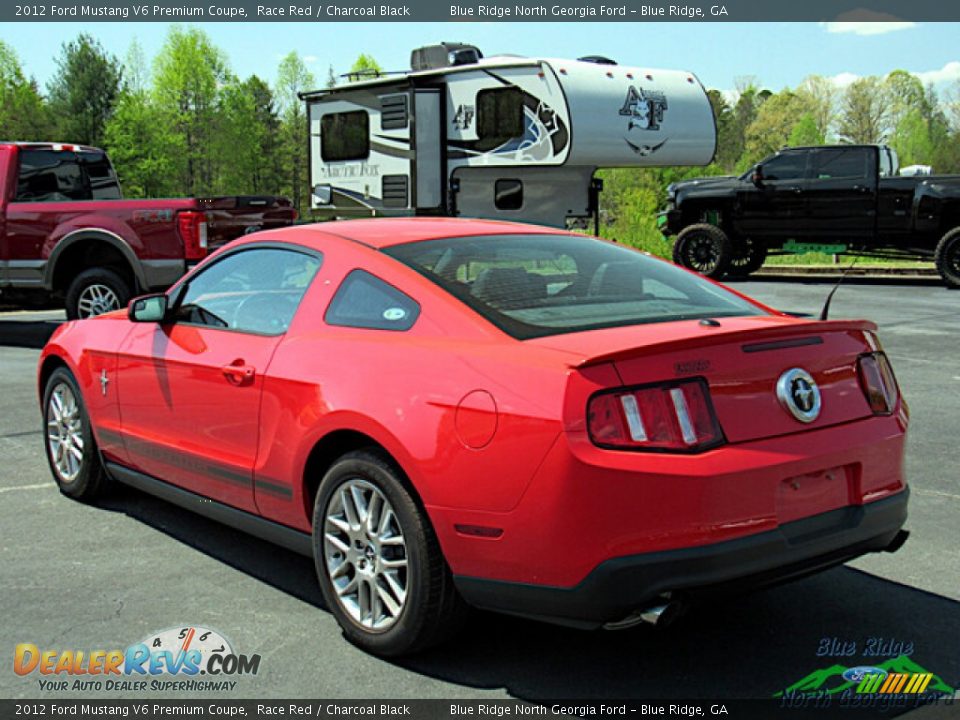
[
  {"x": 746, "y": 647},
  {"x": 26, "y": 333}
]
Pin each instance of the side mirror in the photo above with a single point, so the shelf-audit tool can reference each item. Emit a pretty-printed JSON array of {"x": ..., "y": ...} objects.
[
  {"x": 322, "y": 194},
  {"x": 757, "y": 176},
  {"x": 148, "y": 308}
]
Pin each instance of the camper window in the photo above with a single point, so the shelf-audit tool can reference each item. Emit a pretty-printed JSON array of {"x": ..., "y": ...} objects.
[
  {"x": 345, "y": 136},
  {"x": 508, "y": 194},
  {"x": 499, "y": 116}
]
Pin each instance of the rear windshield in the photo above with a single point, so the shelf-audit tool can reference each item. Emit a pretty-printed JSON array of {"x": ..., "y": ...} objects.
[{"x": 537, "y": 285}]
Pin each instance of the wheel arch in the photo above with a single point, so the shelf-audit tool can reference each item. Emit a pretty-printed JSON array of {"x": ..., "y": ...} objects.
[
  {"x": 89, "y": 248},
  {"x": 327, "y": 449},
  {"x": 48, "y": 366}
]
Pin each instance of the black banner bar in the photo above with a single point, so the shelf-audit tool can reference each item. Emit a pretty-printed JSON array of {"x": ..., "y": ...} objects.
[
  {"x": 479, "y": 10},
  {"x": 796, "y": 708}
]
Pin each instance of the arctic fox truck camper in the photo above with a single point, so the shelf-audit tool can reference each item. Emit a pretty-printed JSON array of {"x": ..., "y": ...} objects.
[{"x": 501, "y": 137}]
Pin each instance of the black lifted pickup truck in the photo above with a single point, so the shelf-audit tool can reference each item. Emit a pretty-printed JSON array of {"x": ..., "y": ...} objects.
[{"x": 839, "y": 199}]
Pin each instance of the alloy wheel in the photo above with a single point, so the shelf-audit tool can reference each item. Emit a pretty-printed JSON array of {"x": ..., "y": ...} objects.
[
  {"x": 65, "y": 433},
  {"x": 702, "y": 254},
  {"x": 365, "y": 555},
  {"x": 97, "y": 299}
]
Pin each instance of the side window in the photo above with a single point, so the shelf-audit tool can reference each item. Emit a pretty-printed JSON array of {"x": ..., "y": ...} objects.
[
  {"x": 345, "y": 136},
  {"x": 499, "y": 116},
  {"x": 50, "y": 176},
  {"x": 365, "y": 301},
  {"x": 788, "y": 166},
  {"x": 255, "y": 291},
  {"x": 101, "y": 176},
  {"x": 840, "y": 164},
  {"x": 508, "y": 194}
]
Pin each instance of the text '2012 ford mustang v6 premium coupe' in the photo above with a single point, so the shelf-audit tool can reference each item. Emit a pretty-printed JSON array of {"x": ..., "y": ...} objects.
[{"x": 447, "y": 413}]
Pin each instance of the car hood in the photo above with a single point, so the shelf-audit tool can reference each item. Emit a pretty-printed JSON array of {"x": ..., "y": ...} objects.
[{"x": 707, "y": 183}]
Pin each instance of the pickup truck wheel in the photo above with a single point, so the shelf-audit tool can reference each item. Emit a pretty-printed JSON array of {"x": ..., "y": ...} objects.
[
  {"x": 704, "y": 248},
  {"x": 380, "y": 567},
  {"x": 71, "y": 449},
  {"x": 749, "y": 258},
  {"x": 96, "y": 291},
  {"x": 947, "y": 258}
]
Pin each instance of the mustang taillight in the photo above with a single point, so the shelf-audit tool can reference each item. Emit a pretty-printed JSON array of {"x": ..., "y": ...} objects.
[
  {"x": 192, "y": 226},
  {"x": 878, "y": 383},
  {"x": 674, "y": 416}
]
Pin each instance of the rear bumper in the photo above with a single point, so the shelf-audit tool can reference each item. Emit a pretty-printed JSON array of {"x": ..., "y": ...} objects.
[{"x": 622, "y": 585}]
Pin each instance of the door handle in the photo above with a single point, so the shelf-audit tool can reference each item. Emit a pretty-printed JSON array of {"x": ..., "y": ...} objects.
[
  {"x": 861, "y": 188},
  {"x": 237, "y": 373},
  {"x": 795, "y": 190}
]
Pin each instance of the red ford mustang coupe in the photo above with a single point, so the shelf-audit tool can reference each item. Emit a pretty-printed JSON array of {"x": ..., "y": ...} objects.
[{"x": 446, "y": 413}]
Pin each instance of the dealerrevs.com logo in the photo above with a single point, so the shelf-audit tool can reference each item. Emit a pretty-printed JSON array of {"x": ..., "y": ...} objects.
[{"x": 171, "y": 660}]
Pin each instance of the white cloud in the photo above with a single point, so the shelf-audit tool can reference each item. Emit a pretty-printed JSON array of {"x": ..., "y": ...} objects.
[
  {"x": 947, "y": 74},
  {"x": 310, "y": 59},
  {"x": 867, "y": 28}
]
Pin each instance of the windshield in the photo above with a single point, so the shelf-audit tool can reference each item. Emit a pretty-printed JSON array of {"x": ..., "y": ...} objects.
[{"x": 537, "y": 285}]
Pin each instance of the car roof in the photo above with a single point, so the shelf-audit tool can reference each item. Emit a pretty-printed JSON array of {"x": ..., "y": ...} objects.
[{"x": 385, "y": 232}]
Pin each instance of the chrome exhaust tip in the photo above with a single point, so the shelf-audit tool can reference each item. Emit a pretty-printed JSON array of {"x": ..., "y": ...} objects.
[{"x": 660, "y": 615}]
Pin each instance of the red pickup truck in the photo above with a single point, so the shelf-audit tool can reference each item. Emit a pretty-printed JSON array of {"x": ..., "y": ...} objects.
[{"x": 66, "y": 232}]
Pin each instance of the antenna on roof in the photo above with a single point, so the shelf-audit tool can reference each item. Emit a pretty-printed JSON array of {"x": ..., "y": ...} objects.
[{"x": 826, "y": 306}]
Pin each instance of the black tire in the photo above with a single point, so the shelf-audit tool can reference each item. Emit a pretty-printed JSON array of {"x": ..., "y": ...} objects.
[
  {"x": 90, "y": 479},
  {"x": 432, "y": 610},
  {"x": 749, "y": 256},
  {"x": 81, "y": 294},
  {"x": 705, "y": 249},
  {"x": 947, "y": 258}
]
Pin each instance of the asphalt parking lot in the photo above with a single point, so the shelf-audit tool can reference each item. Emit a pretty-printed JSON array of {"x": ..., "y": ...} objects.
[{"x": 108, "y": 575}]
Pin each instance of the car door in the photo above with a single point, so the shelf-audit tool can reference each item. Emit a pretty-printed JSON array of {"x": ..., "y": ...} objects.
[
  {"x": 776, "y": 206},
  {"x": 842, "y": 193},
  {"x": 190, "y": 387}
]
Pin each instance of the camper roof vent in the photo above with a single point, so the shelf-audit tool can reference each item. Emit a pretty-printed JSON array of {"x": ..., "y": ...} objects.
[
  {"x": 444, "y": 55},
  {"x": 597, "y": 59}
]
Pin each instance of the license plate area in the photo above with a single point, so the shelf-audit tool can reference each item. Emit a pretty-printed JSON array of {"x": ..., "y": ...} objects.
[{"x": 817, "y": 492}]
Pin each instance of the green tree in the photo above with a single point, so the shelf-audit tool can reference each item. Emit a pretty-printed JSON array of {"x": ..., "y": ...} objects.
[
  {"x": 187, "y": 74},
  {"x": 293, "y": 77},
  {"x": 23, "y": 114},
  {"x": 83, "y": 92},
  {"x": 819, "y": 95},
  {"x": 773, "y": 125},
  {"x": 364, "y": 67},
  {"x": 864, "y": 112},
  {"x": 806, "y": 131},
  {"x": 248, "y": 139},
  {"x": 144, "y": 147}
]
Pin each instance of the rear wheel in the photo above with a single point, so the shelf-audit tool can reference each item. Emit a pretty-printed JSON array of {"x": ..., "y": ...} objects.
[
  {"x": 380, "y": 567},
  {"x": 96, "y": 291},
  {"x": 947, "y": 258},
  {"x": 749, "y": 257},
  {"x": 70, "y": 447},
  {"x": 704, "y": 248}
]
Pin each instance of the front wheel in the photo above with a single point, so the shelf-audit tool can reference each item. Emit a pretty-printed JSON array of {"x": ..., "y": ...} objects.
[
  {"x": 68, "y": 437},
  {"x": 947, "y": 258},
  {"x": 380, "y": 567},
  {"x": 704, "y": 248}
]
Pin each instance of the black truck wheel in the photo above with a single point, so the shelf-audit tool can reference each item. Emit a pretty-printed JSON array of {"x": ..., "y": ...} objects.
[
  {"x": 96, "y": 291},
  {"x": 704, "y": 248},
  {"x": 947, "y": 258},
  {"x": 748, "y": 258}
]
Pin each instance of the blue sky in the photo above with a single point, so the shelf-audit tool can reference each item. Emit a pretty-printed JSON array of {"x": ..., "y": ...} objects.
[{"x": 778, "y": 55}]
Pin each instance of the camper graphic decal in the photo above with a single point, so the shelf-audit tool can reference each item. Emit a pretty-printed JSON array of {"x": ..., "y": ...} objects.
[
  {"x": 644, "y": 150},
  {"x": 645, "y": 108},
  {"x": 463, "y": 118},
  {"x": 545, "y": 137}
]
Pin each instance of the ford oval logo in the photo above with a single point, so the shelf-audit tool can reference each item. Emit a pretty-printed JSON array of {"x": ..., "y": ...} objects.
[
  {"x": 799, "y": 395},
  {"x": 856, "y": 674}
]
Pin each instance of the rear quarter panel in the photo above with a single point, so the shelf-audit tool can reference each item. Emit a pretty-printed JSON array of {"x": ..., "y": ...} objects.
[{"x": 402, "y": 389}]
